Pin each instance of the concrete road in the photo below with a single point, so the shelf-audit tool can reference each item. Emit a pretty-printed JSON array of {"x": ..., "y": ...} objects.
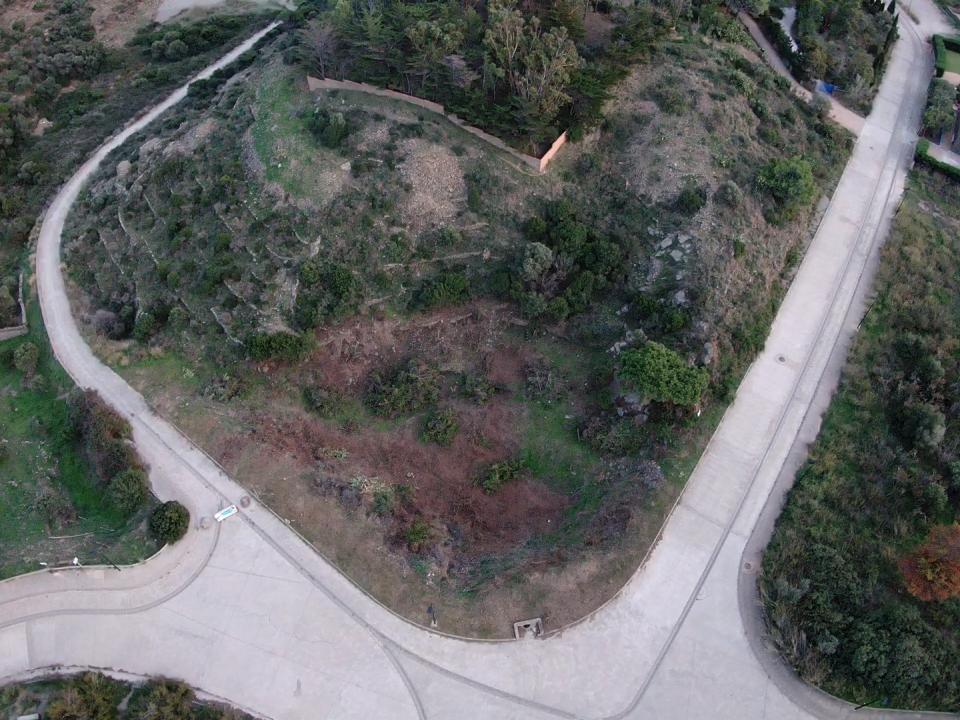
[{"x": 249, "y": 612}]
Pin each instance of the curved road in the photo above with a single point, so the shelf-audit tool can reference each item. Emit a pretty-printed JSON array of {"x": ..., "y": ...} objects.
[{"x": 248, "y": 611}]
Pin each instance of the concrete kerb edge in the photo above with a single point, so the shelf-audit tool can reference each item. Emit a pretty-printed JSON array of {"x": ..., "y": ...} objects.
[{"x": 75, "y": 568}]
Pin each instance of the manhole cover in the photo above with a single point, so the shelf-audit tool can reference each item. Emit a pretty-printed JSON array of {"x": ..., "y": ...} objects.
[
  {"x": 245, "y": 501},
  {"x": 781, "y": 358}
]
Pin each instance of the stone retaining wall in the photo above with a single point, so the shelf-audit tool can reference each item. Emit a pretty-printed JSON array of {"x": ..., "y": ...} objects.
[
  {"x": 539, "y": 164},
  {"x": 8, "y": 333}
]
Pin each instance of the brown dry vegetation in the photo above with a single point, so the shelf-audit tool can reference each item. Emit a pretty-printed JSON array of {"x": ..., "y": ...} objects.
[{"x": 406, "y": 197}]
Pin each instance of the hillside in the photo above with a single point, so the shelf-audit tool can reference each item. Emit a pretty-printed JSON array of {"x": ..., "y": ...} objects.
[{"x": 435, "y": 362}]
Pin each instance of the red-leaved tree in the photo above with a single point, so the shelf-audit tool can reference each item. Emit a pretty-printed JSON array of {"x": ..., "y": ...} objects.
[{"x": 932, "y": 572}]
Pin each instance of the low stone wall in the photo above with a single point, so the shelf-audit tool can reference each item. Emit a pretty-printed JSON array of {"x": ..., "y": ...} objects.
[
  {"x": 539, "y": 164},
  {"x": 8, "y": 333},
  {"x": 315, "y": 84}
]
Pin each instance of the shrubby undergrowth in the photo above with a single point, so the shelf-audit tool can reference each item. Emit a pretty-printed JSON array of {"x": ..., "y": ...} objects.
[{"x": 860, "y": 580}]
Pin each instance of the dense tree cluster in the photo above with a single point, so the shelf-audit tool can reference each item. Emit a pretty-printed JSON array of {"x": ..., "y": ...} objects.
[
  {"x": 845, "y": 43},
  {"x": 861, "y": 579},
  {"x": 564, "y": 263},
  {"x": 327, "y": 291},
  {"x": 36, "y": 62},
  {"x": 164, "y": 43},
  {"x": 513, "y": 68}
]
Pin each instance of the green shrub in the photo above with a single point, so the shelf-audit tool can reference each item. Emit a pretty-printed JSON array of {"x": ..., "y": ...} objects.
[
  {"x": 56, "y": 508},
  {"x": 672, "y": 98},
  {"x": 169, "y": 700},
  {"x": 789, "y": 182},
  {"x": 478, "y": 388},
  {"x": 739, "y": 247},
  {"x": 923, "y": 424},
  {"x": 729, "y": 194},
  {"x": 441, "y": 427},
  {"x": 661, "y": 375},
  {"x": 169, "y": 522},
  {"x": 940, "y": 112},
  {"x": 25, "y": 358},
  {"x": 449, "y": 288},
  {"x": 281, "y": 345},
  {"x": 923, "y": 156},
  {"x": 128, "y": 490},
  {"x": 691, "y": 198},
  {"x": 939, "y": 55},
  {"x": 418, "y": 534},
  {"x": 408, "y": 388},
  {"x": 499, "y": 474},
  {"x": 328, "y": 128},
  {"x": 145, "y": 327},
  {"x": 92, "y": 696},
  {"x": 383, "y": 502},
  {"x": 323, "y": 401}
]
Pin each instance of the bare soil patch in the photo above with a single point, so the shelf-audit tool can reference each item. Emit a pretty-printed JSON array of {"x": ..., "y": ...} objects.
[{"x": 436, "y": 177}]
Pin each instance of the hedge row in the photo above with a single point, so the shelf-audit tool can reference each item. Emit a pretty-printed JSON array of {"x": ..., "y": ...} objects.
[
  {"x": 923, "y": 156},
  {"x": 775, "y": 34},
  {"x": 942, "y": 43}
]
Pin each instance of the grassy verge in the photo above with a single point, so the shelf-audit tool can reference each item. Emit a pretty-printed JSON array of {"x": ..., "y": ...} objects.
[
  {"x": 53, "y": 509},
  {"x": 860, "y": 585}
]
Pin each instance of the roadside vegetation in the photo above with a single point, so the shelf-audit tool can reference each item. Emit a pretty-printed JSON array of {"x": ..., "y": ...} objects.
[
  {"x": 70, "y": 483},
  {"x": 470, "y": 385},
  {"x": 862, "y": 578},
  {"x": 845, "y": 43},
  {"x": 95, "y": 695}
]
